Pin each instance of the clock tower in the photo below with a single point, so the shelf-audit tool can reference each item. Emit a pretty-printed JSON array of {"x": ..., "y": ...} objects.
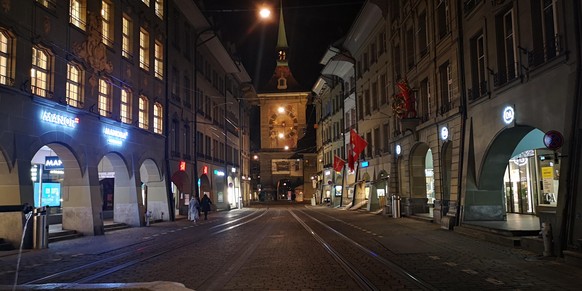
[{"x": 282, "y": 104}]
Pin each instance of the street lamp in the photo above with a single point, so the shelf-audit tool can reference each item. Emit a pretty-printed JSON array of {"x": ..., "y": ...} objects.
[{"x": 265, "y": 13}]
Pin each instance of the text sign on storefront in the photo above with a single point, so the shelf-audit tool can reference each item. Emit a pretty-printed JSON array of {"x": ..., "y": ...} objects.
[
  {"x": 59, "y": 119},
  {"x": 115, "y": 136},
  {"x": 53, "y": 163}
]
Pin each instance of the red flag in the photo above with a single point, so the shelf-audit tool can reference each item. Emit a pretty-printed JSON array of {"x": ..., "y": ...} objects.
[
  {"x": 338, "y": 163},
  {"x": 358, "y": 144},
  {"x": 351, "y": 160}
]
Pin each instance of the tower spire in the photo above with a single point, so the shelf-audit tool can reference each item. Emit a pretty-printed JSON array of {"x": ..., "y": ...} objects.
[{"x": 282, "y": 38}]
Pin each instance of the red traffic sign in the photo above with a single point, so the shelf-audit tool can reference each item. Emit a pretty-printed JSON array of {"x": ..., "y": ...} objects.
[{"x": 553, "y": 140}]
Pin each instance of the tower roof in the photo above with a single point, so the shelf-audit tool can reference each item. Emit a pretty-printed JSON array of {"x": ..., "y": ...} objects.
[{"x": 282, "y": 79}]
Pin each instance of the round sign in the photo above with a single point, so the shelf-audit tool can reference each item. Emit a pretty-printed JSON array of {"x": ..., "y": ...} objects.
[
  {"x": 553, "y": 140},
  {"x": 398, "y": 149},
  {"x": 444, "y": 133},
  {"x": 508, "y": 115}
]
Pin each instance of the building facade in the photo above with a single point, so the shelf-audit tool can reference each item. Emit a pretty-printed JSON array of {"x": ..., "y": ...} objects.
[
  {"x": 101, "y": 114},
  {"x": 479, "y": 104}
]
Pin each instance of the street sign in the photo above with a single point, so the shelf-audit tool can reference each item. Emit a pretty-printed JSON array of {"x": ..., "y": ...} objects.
[{"x": 553, "y": 140}]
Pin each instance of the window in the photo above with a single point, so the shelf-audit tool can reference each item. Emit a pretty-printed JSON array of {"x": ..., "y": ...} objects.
[
  {"x": 187, "y": 92},
  {"x": 187, "y": 141},
  {"x": 383, "y": 91},
  {"x": 74, "y": 86},
  {"x": 375, "y": 96},
  {"x": 386, "y": 139},
  {"x": 446, "y": 81},
  {"x": 479, "y": 85},
  {"x": 422, "y": 34},
  {"x": 376, "y": 140},
  {"x": 159, "y": 8},
  {"x": 424, "y": 100},
  {"x": 442, "y": 17},
  {"x": 6, "y": 57},
  {"x": 107, "y": 22},
  {"x": 159, "y": 60},
  {"x": 125, "y": 106},
  {"x": 47, "y": 3},
  {"x": 187, "y": 41},
  {"x": 506, "y": 53},
  {"x": 546, "y": 40},
  {"x": 382, "y": 42},
  {"x": 158, "y": 118},
  {"x": 104, "y": 98},
  {"x": 126, "y": 36},
  {"x": 176, "y": 137},
  {"x": 40, "y": 72},
  {"x": 367, "y": 104},
  {"x": 146, "y": 2},
  {"x": 409, "y": 48},
  {"x": 144, "y": 49},
  {"x": 77, "y": 13},
  {"x": 397, "y": 67},
  {"x": 143, "y": 112},
  {"x": 175, "y": 84}
]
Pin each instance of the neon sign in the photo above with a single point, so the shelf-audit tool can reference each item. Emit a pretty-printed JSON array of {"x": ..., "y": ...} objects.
[
  {"x": 53, "y": 163},
  {"x": 115, "y": 136},
  {"x": 59, "y": 119},
  {"x": 508, "y": 115},
  {"x": 218, "y": 173},
  {"x": 182, "y": 166}
]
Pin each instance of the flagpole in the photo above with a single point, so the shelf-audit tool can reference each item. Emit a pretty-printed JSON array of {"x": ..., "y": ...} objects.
[
  {"x": 356, "y": 185},
  {"x": 343, "y": 186}
]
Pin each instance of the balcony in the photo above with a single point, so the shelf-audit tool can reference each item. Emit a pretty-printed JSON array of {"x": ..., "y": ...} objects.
[
  {"x": 550, "y": 50},
  {"x": 477, "y": 92}
]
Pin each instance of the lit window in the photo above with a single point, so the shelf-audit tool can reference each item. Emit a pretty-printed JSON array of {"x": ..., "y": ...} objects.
[
  {"x": 144, "y": 49},
  {"x": 143, "y": 112},
  {"x": 47, "y": 3},
  {"x": 107, "y": 22},
  {"x": 146, "y": 2},
  {"x": 74, "y": 86},
  {"x": 40, "y": 72},
  {"x": 6, "y": 58},
  {"x": 104, "y": 98},
  {"x": 158, "y": 121},
  {"x": 159, "y": 60},
  {"x": 159, "y": 8},
  {"x": 77, "y": 13},
  {"x": 126, "y": 36},
  {"x": 125, "y": 106}
]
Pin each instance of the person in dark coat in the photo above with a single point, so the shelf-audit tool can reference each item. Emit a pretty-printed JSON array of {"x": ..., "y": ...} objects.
[{"x": 205, "y": 205}]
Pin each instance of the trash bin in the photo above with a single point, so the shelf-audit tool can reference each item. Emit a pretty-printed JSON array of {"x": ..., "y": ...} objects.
[
  {"x": 395, "y": 206},
  {"x": 40, "y": 228}
]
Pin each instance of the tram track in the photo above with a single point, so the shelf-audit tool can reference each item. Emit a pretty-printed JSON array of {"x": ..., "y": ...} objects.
[
  {"x": 356, "y": 265},
  {"x": 89, "y": 272}
]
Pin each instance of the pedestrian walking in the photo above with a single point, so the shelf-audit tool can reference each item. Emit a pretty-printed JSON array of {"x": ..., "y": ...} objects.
[
  {"x": 205, "y": 205},
  {"x": 193, "y": 212}
]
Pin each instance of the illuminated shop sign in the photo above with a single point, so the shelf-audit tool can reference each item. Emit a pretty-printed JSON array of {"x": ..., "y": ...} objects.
[
  {"x": 365, "y": 164},
  {"x": 508, "y": 115},
  {"x": 398, "y": 149},
  {"x": 115, "y": 136},
  {"x": 57, "y": 118},
  {"x": 218, "y": 173},
  {"x": 182, "y": 166},
  {"x": 53, "y": 163},
  {"x": 444, "y": 133}
]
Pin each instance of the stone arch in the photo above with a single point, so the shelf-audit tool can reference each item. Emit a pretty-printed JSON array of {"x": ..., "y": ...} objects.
[
  {"x": 417, "y": 166},
  {"x": 119, "y": 189},
  {"x": 154, "y": 194}
]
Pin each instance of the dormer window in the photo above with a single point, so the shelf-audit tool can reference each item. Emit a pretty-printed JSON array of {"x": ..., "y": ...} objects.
[
  {"x": 282, "y": 55},
  {"x": 282, "y": 83}
]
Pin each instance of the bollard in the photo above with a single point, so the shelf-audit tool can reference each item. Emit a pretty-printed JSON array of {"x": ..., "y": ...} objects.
[
  {"x": 546, "y": 234},
  {"x": 148, "y": 215},
  {"x": 162, "y": 216}
]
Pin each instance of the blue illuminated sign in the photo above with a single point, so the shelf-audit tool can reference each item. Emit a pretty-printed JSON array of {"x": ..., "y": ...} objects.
[
  {"x": 53, "y": 163},
  {"x": 364, "y": 164},
  {"x": 51, "y": 194},
  {"x": 115, "y": 136}
]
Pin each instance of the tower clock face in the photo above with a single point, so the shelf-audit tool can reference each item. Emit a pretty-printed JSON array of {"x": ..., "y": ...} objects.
[{"x": 283, "y": 125}]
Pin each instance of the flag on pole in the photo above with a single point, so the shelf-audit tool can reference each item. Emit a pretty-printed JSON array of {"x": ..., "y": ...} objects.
[
  {"x": 351, "y": 160},
  {"x": 357, "y": 143},
  {"x": 338, "y": 163}
]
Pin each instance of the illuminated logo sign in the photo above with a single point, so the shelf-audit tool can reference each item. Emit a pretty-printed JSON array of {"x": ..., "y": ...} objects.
[
  {"x": 218, "y": 173},
  {"x": 398, "y": 149},
  {"x": 365, "y": 164},
  {"x": 53, "y": 163},
  {"x": 508, "y": 115},
  {"x": 182, "y": 166},
  {"x": 59, "y": 119},
  {"x": 205, "y": 170},
  {"x": 115, "y": 136},
  {"x": 444, "y": 133}
]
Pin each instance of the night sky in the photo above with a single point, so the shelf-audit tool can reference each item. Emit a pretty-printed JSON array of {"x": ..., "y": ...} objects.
[{"x": 311, "y": 25}]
